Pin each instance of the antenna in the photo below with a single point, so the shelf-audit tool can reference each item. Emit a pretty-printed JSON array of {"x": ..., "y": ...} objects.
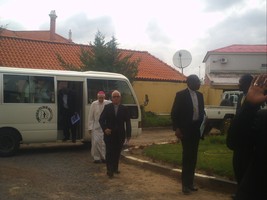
[{"x": 182, "y": 59}]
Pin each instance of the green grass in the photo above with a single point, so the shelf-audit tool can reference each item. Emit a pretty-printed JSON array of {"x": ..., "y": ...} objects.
[
  {"x": 150, "y": 119},
  {"x": 214, "y": 158}
]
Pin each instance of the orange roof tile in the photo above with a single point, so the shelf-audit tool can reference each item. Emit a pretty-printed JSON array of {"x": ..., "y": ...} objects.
[
  {"x": 242, "y": 48},
  {"x": 238, "y": 48},
  {"x": 151, "y": 68},
  {"x": 26, "y": 53},
  {"x": 34, "y": 35}
]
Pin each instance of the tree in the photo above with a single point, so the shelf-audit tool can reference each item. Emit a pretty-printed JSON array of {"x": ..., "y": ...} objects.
[
  {"x": 2, "y": 28},
  {"x": 107, "y": 57},
  {"x": 104, "y": 56}
]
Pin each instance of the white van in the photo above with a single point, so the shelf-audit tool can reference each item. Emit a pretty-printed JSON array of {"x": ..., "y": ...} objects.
[{"x": 26, "y": 116}]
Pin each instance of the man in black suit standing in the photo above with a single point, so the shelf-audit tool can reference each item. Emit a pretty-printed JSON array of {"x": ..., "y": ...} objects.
[
  {"x": 66, "y": 106},
  {"x": 116, "y": 125},
  {"x": 187, "y": 115},
  {"x": 244, "y": 84},
  {"x": 241, "y": 143},
  {"x": 250, "y": 124}
]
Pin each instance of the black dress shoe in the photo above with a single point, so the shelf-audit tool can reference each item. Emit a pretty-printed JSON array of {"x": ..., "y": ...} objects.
[
  {"x": 186, "y": 191},
  {"x": 110, "y": 174},
  {"x": 233, "y": 196},
  {"x": 193, "y": 188}
]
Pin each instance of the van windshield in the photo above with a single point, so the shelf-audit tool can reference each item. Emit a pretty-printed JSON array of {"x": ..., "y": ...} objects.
[{"x": 108, "y": 86}]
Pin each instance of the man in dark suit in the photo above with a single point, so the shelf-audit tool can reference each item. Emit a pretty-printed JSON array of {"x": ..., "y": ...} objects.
[
  {"x": 66, "y": 106},
  {"x": 244, "y": 84},
  {"x": 250, "y": 124},
  {"x": 241, "y": 144},
  {"x": 187, "y": 115},
  {"x": 116, "y": 125}
]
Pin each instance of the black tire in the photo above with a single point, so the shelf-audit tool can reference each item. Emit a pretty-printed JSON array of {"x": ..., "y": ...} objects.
[{"x": 9, "y": 142}]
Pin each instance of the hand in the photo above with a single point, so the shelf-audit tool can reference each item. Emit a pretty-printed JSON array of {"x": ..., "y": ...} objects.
[
  {"x": 256, "y": 90},
  {"x": 107, "y": 131},
  {"x": 178, "y": 133},
  {"x": 126, "y": 142}
]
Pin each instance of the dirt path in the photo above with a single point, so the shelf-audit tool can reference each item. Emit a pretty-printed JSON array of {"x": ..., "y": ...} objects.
[{"x": 68, "y": 173}]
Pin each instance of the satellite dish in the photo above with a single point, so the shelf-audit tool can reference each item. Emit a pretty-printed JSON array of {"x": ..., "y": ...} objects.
[{"x": 182, "y": 59}]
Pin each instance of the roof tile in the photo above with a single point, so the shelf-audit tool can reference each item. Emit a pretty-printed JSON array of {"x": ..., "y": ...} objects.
[
  {"x": 27, "y": 53},
  {"x": 34, "y": 35},
  {"x": 239, "y": 48}
]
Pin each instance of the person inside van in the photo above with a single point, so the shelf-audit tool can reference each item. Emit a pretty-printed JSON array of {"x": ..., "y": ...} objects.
[{"x": 66, "y": 107}]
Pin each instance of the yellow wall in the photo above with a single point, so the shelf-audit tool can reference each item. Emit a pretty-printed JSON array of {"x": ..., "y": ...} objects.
[{"x": 161, "y": 95}]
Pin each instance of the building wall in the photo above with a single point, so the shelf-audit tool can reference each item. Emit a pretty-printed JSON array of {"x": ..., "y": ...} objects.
[
  {"x": 238, "y": 63},
  {"x": 161, "y": 95}
]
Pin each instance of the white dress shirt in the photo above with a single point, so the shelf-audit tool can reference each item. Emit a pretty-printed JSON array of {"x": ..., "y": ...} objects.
[{"x": 195, "y": 104}]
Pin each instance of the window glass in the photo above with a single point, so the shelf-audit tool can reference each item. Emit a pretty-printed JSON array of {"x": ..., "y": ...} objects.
[
  {"x": 44, "y": 89},
  {"x": 108, "y": 86},
  {"x": 16, "y": 89},
  {"x": 28, "y": 89}
]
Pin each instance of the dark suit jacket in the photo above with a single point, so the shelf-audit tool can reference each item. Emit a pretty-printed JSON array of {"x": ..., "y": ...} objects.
[
  {"x": 71, "y": 101},
  {"x": 120, "y": 125},
  {"x": 182, "y": 109},
  {"x": 250, "y": 124},
  {"x": 240, "y": 131},
  {"x": 64, "y": 115}
]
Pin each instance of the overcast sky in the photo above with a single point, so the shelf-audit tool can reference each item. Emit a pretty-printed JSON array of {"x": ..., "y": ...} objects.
[{"x": 160, "y": 27}]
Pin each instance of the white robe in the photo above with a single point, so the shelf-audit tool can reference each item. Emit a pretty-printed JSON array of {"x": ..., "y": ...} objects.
[{"x": 98, "y": 149}]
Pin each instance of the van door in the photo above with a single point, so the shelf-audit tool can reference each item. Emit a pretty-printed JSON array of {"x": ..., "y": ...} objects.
[{"x": 75, "y": 106}]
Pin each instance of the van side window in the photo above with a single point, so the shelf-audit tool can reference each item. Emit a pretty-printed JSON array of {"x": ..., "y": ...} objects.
[
  {"x": 44, "y": 89},
  {"x": 27, "y": 89},
  {"x": 16, "y": 89},
  {"x": 108, "y": 86}
]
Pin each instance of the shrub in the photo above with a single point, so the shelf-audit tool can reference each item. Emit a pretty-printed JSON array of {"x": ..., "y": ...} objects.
[{"x": 150, "y": 119}]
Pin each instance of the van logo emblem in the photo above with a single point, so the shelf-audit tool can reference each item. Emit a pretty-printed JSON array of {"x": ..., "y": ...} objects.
[{"x": 44, "y": 114}]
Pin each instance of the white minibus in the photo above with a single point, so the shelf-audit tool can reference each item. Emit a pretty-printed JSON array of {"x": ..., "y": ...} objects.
[{"x": 29, "y": 104}]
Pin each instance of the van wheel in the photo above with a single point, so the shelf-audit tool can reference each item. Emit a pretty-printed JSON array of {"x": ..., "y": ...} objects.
[{"x": 9, "y": 143}]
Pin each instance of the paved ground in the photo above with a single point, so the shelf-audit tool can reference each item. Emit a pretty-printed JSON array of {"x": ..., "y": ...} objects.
[{"x": 66, "y": 172}]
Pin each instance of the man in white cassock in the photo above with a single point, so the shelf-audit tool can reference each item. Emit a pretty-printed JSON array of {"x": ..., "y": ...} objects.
[{"x": 98, "y": 149}]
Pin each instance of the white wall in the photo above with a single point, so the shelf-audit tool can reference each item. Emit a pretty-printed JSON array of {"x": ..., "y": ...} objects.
[{"x": 239, "y": 63}]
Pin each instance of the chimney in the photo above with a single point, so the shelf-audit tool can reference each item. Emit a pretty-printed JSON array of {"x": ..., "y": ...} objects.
[
  {"x": 70, "y": 35},
  {"x": 53, "y": 17}
]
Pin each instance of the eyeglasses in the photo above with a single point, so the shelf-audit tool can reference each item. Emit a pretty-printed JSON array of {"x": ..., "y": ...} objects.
[{"x": 116, "y": 96}]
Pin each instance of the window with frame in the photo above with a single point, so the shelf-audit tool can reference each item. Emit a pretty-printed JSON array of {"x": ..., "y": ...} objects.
[{"x": 28, "y": 89}]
